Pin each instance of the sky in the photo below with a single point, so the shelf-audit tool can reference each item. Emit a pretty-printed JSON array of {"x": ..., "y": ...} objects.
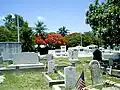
[{"x": 54, "y": 13}]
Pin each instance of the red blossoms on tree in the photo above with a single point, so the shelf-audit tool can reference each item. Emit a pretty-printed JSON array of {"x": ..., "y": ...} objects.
[
  {"x": 56, "y": 39},
  {"x": 39, "y": 40}
]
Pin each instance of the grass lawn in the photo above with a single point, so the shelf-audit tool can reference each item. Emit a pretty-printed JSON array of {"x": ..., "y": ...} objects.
[
  {"x": 34, "y": 80},
  {"x": 55, "y": 76},
  {"x": 28, "y": 80}
]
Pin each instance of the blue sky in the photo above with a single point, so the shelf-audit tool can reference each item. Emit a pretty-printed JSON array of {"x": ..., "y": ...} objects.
[{"x": 54, "y": 13}]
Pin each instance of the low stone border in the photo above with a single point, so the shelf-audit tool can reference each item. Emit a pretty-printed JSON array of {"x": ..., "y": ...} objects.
[
  {"x": 113, "y": 83},
  {"x": 50, "y": 81},
  {"x": 21, "y": 68},
  {"x": 114, "y": 72},
  {"x": 41, "y": 67},
  {"x": 57, "y": 87},
  {"x": 61, "y": 74}
]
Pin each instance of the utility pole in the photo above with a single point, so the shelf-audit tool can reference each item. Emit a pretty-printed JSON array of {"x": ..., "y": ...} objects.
[
  {"x": 18, "y": 29},
  {"x": 81, "y": 38}
]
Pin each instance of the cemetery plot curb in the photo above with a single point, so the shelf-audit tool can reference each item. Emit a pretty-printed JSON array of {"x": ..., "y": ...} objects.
[
  {"x": 114, "y": 72},
  {"x": 51, "y": 81},
  {"x": 113, "y": 83},
  {"x": 57, "y": 87}
]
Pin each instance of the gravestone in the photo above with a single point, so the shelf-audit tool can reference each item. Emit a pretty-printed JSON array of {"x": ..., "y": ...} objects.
[
  {"x": 39, "y": 58},
  {"x": 51, "y": 66},
  {"x": 73, "y": 55},
  {"x": 70, "y": 76},
  {"x": 25, "y": 58},
  {"x": 110, "y": 70},
  {"x": 49, "y": 57},
  {"x": 110, "y": 65},
  {"x": 94, "y": 67},
  {"x": 1, "y": 59},
  {"x": 111, "y": 62}
]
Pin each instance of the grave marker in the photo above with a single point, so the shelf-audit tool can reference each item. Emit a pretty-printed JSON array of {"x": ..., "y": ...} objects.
[
  {"x": 73, "y": 55},
  {"x": 110, "y": 70},
  {"x": 25, "y": 58},
  {"x": 49, "y": 57},
  {"x": 110, "y": 65},
  {"x": 70, "y": 76},
  {"x": 94, "y": 66},
  {"x": 51, "y": 66}
]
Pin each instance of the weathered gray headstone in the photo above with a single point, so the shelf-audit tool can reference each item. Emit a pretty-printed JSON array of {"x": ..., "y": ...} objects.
[
  {"x": 70, "y": 54},
  {"x": 110, "y": 62},
  {"x": 26, "y": 58},
  {"x": 73, "y": 55},
  {"x": 110, "y": 70},
  {"x": 94, "y": 66},
  {"x": 110, "y": 65},
  {"x": 70, "y": 76},
  {"x": 49, "y": 57},
  {"x": 51, "y": 66}
]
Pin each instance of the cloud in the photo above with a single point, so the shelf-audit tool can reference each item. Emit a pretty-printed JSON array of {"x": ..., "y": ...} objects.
[
  {"x": 31, "y": 25},
  {"x": 40, "y": 18}
]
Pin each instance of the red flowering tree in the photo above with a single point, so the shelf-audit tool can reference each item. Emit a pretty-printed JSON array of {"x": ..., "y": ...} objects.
[
  {"x": 55, "y": 40},
  {"x": 39, "y": 40}
]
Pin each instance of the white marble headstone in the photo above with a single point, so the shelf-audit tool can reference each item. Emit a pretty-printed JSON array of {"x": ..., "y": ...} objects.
[
  {"x": 70, "y": 76},
  {"x": 49, "y": 57},
  {"x": 94, "y": 66},
  {"x": 110, "y": 70},
  {"x": 75, "y": 54},
  {"x": 51, "y": 66}
]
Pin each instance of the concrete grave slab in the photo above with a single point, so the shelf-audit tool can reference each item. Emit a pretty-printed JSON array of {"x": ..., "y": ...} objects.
[{"x": 25, "y": 58}]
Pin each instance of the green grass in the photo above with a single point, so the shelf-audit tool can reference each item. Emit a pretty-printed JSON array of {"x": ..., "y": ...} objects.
[
  {"x": 59, "y": 61},
  {"x": 82, "y": 65},
  {"x": 34, "y": 80},
  {"x": 55, "y": 76},
  {"x": 29, "y": 80},
  {"x": 63, "y": 88},
  {"x": 62, "y": 62}
]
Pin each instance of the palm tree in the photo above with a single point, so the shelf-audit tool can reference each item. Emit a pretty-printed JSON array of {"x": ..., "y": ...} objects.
[
  {"x": 63, "y": 31},
  {"x": 40, "y": 29}
]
